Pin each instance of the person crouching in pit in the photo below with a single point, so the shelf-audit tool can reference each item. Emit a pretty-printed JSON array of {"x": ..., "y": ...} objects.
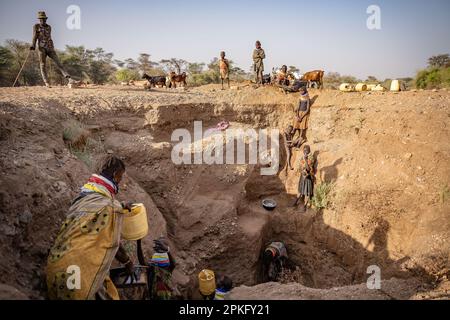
[
  {"x": 223, "y": 287},
  {"x": 274, "y": 260},
  {"x": 162, "y": 265},
  {"x": 89, "y": 240},
  {"x": 307, "y": 178}
]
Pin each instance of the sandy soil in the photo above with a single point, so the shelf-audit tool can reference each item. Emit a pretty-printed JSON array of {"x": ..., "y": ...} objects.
[{"x": 387, "y": 155}]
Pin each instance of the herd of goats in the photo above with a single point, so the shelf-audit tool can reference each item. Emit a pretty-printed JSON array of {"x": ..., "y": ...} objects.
[{"x": 172, "y": 80}]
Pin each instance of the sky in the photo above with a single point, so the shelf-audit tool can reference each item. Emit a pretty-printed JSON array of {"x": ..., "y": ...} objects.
[{"x": 316, "y": 34}]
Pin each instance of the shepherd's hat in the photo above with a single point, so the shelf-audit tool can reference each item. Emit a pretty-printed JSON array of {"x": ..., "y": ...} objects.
[{"x": 42, "y": 15}]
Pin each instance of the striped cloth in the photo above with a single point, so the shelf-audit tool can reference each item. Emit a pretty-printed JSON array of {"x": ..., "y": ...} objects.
[
  {"x": 220, "y": 295},
  {"x": 99, "y": 184},
  {"x": 160, "y": 259}
]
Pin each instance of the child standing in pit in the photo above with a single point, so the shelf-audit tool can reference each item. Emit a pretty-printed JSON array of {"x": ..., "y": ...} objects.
[
  {"x": 302, "y": 114},
  {"x": 307, "y": 178}
]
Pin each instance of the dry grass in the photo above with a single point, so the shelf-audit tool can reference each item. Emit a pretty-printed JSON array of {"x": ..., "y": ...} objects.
[
  {"x": 321, "y": 198},
  {"x": 445, "y": 194},
  {"x": 79, "y": 142}
]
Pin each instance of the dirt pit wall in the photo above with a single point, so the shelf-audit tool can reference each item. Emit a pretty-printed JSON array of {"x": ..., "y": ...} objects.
[{"x": 386, "y": 157}]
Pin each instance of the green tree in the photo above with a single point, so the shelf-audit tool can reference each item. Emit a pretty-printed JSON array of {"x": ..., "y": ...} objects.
[
  {"x": 428, "y": 79},
  {"x": 125, "y": 75},
  {"x": 30, "y": 74},
  {"x": 6, "y": 60},
  {"x": 76, "y": 61},
  {"x": 213, "y": 69},
  {"x": 100, "y": 66},
  {"x": 439, "y": 61},
  {"x": 195, "y": 68}
]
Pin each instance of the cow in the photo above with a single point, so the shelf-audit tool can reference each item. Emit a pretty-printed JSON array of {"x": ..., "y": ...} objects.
[
  {"x": 174, "y": 79},
  {"x": 155, "y": 80},
  {"x": 314, "y": 76}
]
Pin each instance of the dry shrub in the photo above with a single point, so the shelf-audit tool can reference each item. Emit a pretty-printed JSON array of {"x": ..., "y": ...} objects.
[{"x": 75, "y": 135}]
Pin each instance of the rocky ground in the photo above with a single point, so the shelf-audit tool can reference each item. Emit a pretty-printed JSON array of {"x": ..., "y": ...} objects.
[{"x": 386, "y": 157}]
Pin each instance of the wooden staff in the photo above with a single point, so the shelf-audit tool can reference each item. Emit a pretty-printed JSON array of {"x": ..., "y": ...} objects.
[{"x": 20, "y": 71}]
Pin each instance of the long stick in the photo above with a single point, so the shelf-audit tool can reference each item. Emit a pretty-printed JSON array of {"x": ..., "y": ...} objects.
[{"x": 23, "y": 65}]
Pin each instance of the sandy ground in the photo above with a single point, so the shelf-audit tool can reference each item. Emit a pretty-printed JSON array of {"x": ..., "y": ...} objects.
[{"x": 386, "y": 154}]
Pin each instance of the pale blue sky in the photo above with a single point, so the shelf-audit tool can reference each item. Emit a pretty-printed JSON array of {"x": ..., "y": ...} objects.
[{"x": 328, "y": 34}]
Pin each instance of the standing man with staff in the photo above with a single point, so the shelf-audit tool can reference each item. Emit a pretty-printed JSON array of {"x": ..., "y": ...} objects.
[
  {"x": 258, "y": 66},
  {"x": 42, "y": 35}
]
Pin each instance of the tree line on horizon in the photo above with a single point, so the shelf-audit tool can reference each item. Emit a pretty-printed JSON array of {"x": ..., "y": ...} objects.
[{"x": 99, "y": 67}]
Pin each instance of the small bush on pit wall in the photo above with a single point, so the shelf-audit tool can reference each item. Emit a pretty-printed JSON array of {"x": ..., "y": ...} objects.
[{"x": 321, "y": 195}]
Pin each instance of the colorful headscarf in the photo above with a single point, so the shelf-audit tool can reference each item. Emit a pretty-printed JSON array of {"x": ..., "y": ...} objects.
[
  {"x": 160, "y": 259},
  {"x": 100, "y": 184}
]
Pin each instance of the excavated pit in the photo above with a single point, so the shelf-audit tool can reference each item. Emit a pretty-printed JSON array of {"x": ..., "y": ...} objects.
[{"x": 212, "y": 214}]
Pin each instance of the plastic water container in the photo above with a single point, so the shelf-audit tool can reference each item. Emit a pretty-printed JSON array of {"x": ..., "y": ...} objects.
[
  {"x": 361, "y": 87},
  {"x": 395, "y": 85},
  {"x": 206, "y": 282},
  {"x": 379, "y": 87},
  {"x": 135, "y": 224},
  {"x": 346, "y": 87}
]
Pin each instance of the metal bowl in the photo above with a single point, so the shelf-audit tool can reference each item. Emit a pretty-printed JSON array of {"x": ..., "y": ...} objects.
[{"x": 269, "y": 204}]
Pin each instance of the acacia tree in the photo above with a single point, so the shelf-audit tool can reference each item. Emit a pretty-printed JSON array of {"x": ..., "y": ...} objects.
[
  {"x": 131, "y": 64},
  {"x": 76, "y": 61},
  {"x": 100, "y": 65},
  {"x": 172, "y": 64},
  {"x": 439, "y": 61},
  {"x": 145, "y": 64},
  {"x": 195, "y": 68}
]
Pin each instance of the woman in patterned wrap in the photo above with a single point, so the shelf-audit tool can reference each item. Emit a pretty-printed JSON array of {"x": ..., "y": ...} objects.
[{"x": 79, "y": 261}]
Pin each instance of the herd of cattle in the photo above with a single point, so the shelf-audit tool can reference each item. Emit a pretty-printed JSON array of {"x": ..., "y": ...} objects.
[{"x": 310, "y": 79}]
